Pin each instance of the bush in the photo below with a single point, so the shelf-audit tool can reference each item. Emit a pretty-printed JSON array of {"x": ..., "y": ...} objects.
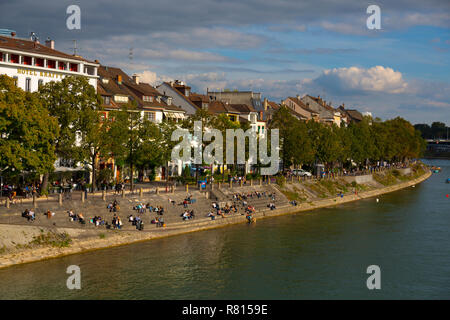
[
  {"x": 281, "y": 181},
  {"x": 53, "y": 239},
  {"x": 396, "y": 173}
]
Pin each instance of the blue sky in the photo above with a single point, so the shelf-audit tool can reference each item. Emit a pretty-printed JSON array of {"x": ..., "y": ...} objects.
[{"x": 281, "y": 48}]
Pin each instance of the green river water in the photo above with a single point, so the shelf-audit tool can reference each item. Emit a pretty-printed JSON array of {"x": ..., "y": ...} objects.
[{"x": 321, "y": 254}]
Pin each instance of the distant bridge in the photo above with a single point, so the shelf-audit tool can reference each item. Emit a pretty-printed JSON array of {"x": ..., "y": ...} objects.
[{"x": 438, "y": 146}]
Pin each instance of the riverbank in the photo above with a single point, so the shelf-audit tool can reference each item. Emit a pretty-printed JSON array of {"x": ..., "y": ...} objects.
[{"x": 88, "y": 240}]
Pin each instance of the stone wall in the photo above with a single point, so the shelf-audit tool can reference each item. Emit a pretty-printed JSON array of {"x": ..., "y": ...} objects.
[{"x": 359, "y": 179}]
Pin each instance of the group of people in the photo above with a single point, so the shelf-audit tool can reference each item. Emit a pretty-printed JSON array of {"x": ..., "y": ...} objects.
[
  {"x": 119, "y": 187},
  {"x": 97, "y": 221},
  {"x": 117, "y": 222},
  {"x": 136, "y": 221},
  {"x": 188, "y": 200},
  {"x": 29, "y": 215},
  {"x": 228, "y": 209},
  {"x": 142, "y": 208},
  {"x": 159, "y": 221},
  {"x": 76, "y": 217},
  {"x": 113, "y": 206},
  {"x": 188, "y": 215}
]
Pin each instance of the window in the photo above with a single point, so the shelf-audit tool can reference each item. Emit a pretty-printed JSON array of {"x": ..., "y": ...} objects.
[
  {"x": 40, "y": 83},
  {"x": 147, "y": 98},
  {"x": 121, "y": 99},
  {"x": 90, "y": 70},
  {"x": 151, "y": 116},
  {"x": 51, "y": 64},
  {"x": 74, "y": 67},
  {"x": 39, "y": 62},
  {"x": 61, "y": 65},
  {"x": 27, "y": 60},
  {"x": 1, "y": 56},
  {"x": 106, "y": 100},
  {"x": 28, "y": 84},
  {"x": 14, "y": 58},
  {"x": 103, "y": 116},
  {"x": 16, "y": 80}
]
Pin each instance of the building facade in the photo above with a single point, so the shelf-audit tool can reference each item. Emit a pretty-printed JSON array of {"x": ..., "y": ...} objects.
[{"x": 32, "y": 64}]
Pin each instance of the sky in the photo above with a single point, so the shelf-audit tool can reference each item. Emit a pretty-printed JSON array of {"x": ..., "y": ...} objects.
[{"x": 280, "y": 48}]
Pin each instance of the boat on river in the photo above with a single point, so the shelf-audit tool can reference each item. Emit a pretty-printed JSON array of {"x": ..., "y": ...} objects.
[{"x": 435, "y": 169}]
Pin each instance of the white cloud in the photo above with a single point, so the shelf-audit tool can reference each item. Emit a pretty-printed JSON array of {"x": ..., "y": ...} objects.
[
  {"x": 378, "y": 78},
  {"x": 153, "y": 78}
]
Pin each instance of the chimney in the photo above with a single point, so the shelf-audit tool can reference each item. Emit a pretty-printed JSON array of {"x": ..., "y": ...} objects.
[
  {"x": 50, "y": 43},
  {"x": 119, "y": 79},
  {"x": 136, "y": 78},
  {"x": 265, "y": 104},
  {"x": 298, "y": 97},
  {"x": 13, "y": 34},
  {"x": 261, "y": 115}
]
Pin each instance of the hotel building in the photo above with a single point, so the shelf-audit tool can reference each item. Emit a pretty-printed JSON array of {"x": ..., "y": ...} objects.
[{"x": 32, "y": 64}]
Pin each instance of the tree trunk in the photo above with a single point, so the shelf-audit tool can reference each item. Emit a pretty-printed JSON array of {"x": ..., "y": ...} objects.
[
  {"x": 94, "y": 173},
  {"x": 131, "y": 175},
  {"x": 44, "y": 184}
]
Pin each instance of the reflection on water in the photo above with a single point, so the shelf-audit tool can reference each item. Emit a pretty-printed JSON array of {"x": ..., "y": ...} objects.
[{"x": 320, "y": 254}]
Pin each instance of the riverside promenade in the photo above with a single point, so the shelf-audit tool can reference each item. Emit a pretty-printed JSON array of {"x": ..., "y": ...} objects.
[{"x": 14, "y": 228}]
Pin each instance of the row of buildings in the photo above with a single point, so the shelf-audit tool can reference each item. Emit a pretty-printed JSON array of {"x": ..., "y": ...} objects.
[{"x": 32, "y": 64}]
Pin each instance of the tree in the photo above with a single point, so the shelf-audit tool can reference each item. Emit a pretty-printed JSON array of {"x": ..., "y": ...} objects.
[
  {"x": 74, "y": 103},
  {"x": 284, "y": 121},
  {"x": 136, "y": 141},
  {"x": 27, "y": 131}
]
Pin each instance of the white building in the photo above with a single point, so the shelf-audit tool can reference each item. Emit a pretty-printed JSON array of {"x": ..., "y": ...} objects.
[{"x": 33, "y": 64}]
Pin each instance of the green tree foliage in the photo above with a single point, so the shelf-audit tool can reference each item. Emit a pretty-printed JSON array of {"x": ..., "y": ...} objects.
[
  {"x": 74, "y": 102},
  {"x": 362, "y": 143},
  {"x": 136, "y": 141},
  {"x": 27, "y": 131}
]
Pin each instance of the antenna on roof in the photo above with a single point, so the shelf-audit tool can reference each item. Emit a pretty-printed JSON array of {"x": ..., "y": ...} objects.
[
  {"x": 130, "y": 56},
  {"x": 34, "y": 37},
  {"x": 74, "y": 47}
]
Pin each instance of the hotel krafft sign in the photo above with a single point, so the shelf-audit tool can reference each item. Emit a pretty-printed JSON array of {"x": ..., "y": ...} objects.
[{"x": 44, "y": 74}]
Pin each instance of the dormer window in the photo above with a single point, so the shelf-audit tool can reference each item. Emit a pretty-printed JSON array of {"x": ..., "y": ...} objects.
[
  {"x": 158, "y": 98},
  {"x": 169, "y": 101},
  {"x": 106, "y": 100},
  {"x": 105, "y": 81},
  {"x": 121, "y": 99}
]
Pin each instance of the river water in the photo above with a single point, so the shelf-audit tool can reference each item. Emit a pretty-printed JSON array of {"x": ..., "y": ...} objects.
[{"x": 321, "y": 254}]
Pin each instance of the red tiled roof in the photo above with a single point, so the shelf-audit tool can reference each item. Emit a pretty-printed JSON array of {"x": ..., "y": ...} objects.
[{"x": 34, "y": 47}]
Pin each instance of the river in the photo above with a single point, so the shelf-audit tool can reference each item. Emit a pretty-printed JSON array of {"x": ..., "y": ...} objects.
[{"x": 321, "y": 254}]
